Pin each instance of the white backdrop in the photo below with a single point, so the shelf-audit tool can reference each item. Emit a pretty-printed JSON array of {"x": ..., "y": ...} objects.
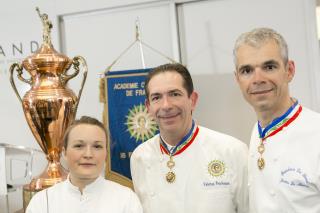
[
  {"x": 208, "y": 31},
  {"x": 95, "y": 34}
]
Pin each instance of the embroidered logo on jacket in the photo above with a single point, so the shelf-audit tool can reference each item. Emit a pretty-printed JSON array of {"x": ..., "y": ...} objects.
[{"x": 216, "y": 168}]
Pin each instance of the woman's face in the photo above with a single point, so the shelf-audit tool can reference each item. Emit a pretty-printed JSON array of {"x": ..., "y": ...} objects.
[{"x": 86, "y": 152}]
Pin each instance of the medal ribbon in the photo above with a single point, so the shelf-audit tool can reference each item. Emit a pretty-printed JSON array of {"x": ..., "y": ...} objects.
[
  {"x": 263, "y": 133},
  {"x": 185, "y": 142}
]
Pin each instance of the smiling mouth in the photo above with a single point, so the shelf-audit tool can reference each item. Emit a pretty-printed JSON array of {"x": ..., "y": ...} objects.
[
  {"x": 258, "y": 92},
  {"x": 169, "y": 116}
]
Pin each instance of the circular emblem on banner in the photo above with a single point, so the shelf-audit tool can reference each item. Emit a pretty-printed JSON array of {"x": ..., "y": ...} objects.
[
  {"x": 140, "y": 123},
  {"x": 216, "y": 168}
]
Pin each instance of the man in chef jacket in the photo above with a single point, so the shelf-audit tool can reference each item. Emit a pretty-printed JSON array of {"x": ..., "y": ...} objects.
[
  {"x": 284, "y": 153},
  {"x": 186, "y": 168}
]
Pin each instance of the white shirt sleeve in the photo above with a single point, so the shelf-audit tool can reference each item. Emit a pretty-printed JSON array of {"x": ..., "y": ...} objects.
[
  {"x": 133, "y": 205},
  {"x": 242, "y": 191},
  {"x": 135, "y": 172},
  {"x": 38, "y": 203},
  {"x": 318, "y": 176}
]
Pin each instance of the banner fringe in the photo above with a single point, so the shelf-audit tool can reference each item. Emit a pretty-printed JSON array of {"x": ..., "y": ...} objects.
[{"x": 102, "y": 91}]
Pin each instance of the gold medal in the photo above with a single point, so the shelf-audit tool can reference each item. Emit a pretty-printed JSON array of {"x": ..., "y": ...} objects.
[
  {"x": 261, "y": 163},
  {"x": 273, "y": 128},
  {"x": 177, "y": 148},
  {"x": 170, "y": 177}
]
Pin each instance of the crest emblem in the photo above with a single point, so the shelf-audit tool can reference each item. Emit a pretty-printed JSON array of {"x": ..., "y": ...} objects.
[
  {"x": 216, "y": 168},
  {"x": 141, "y": 125}
]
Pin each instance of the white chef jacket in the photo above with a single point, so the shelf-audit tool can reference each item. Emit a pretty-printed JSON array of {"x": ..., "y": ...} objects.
[
  {"x": 101, "y": 196},
  {"x": 290, "y": 181},
  {"x": 195, "y": 190}
]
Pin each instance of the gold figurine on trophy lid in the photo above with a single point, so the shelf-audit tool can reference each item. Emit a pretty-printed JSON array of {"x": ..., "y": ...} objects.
[{"x": 49, "y": 106}]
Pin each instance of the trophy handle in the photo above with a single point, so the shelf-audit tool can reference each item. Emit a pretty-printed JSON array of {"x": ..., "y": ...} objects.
[
  {"x": 76, "y": 62},
  {"x": 19, "y": 70}
]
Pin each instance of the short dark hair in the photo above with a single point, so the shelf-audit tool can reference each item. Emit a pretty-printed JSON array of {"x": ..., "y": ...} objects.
[
  {"x": 175, "y": 67},
  {"x": 83, "y": 120}
]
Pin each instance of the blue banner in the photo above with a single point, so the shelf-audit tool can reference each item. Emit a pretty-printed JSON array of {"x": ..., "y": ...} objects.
[{"x": 128, "y": 122}]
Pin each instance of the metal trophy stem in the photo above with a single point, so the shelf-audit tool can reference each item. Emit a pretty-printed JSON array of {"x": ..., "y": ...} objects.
[{"x": 49, "y": 106}]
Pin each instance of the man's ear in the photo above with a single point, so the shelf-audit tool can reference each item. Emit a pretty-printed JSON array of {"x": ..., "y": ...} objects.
[
  {"x": 147, "y": 104},
  {"x": 236, "y": 76},
  {"x": 291, "y": 70},
  {"x": 194, "y": 99}
]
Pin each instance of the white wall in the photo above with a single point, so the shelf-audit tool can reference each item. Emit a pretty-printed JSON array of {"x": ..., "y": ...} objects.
[
  {"x": 208, "y": 31},
  {"x": 20, "y": 23}
]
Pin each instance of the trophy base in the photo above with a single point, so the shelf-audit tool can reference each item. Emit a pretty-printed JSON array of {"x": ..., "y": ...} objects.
[
  {"x": 48, "y": 178},
  {"x": 27, "y": 195}
]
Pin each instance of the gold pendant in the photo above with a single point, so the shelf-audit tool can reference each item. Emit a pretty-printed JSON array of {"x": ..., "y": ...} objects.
[
  {"x": 261, "y": 148},
  {"x": 170, "y": 177},
  {"x": 261, "y": 163},
  {"x": 170, "y": 163}
]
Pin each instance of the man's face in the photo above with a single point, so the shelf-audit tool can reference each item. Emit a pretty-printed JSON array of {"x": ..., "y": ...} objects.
[
  {"x": 169, "y": 104},
  {"x": 86, "y": 152},
  {"x": 263, "y": 77}
]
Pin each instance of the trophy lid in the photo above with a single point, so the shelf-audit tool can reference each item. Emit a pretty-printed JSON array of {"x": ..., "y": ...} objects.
[{"x": 46, "y": 58}]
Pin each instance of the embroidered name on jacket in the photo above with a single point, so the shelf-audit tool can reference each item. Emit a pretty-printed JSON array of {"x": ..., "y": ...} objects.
[
  {"x": 216, "y": 183},
  {"x": 292, "y": 176}
]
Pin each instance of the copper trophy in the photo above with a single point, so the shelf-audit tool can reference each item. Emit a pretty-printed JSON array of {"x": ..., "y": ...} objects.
[{"x": 49, "y": 106}]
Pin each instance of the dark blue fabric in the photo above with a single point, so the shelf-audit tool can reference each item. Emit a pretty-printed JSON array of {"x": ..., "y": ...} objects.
[{"x": 119, "y": 105}]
